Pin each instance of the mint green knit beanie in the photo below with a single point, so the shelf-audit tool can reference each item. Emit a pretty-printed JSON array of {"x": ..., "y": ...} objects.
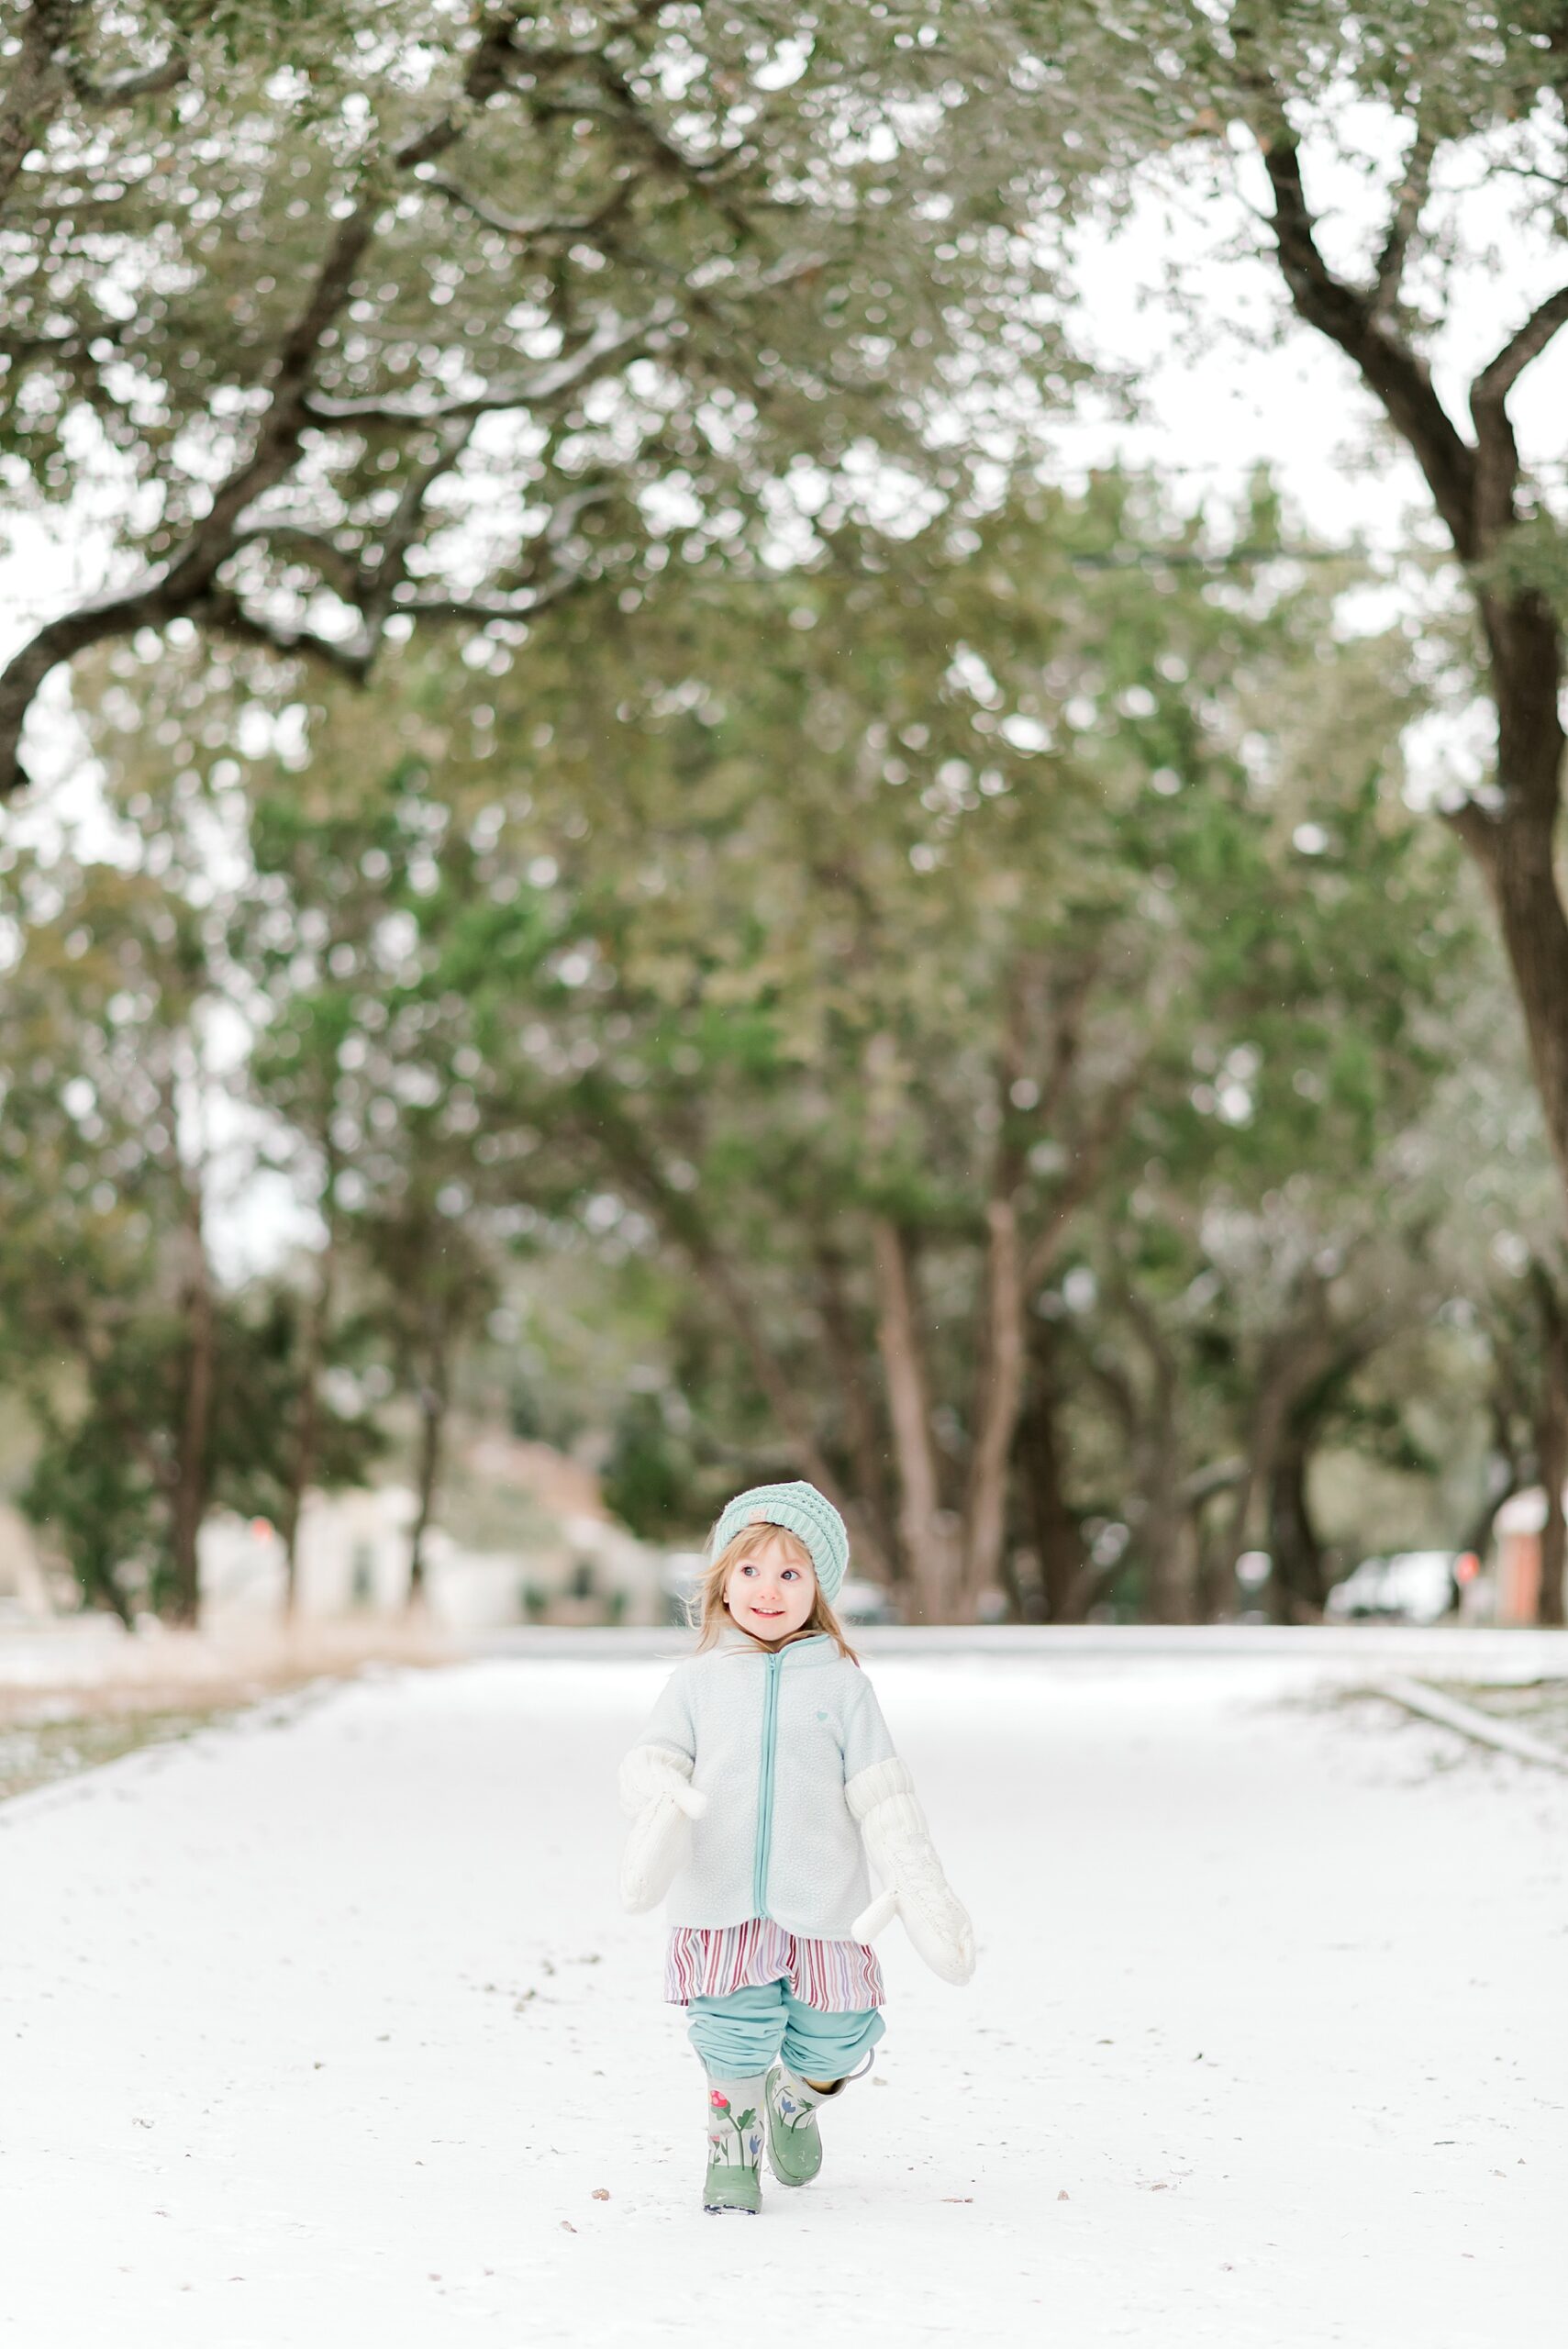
[{"x": 802, "y": 1510}]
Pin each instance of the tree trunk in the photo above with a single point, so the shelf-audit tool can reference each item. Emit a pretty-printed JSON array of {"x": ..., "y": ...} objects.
[
  {"x": 1054, "y": 1529},
  {"x": 876, "y": 1544},
  {"x": 1158, "y": 1514},
  {"x": 432, "y": 1430},
  {"x": 1551, "y": 1448},
  {"x": 1553, "y": 1547},
  {"x": 929, "y": 1549},
  {"x": 1474, "y": 487},
  {"x": 1514, "y": 851},
  {"x": 1299, "y": 1582},
  {"x": 995, "y": 1419},
  {"x": 99, "y": 1580},
  {"x": 188, "y": 1500},
  {"x": 307, "y": 1430},
  {"x": 1218, "y": 1560},
  {"x": 1166, "y": 1542},
  {"x": 1505, "y": 1478},
  {"x": 1292, "y": 1363}
]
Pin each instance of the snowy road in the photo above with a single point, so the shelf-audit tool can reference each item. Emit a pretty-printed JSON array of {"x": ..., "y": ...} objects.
[{"x": 324, "y": 2029}]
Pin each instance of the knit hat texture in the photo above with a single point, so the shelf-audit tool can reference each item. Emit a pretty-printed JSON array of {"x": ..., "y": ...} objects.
[{"x": 802, "y": 1510}]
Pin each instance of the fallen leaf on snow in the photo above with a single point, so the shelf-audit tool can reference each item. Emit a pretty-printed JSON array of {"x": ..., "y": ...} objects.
[{"x": 601, "y": 2193}]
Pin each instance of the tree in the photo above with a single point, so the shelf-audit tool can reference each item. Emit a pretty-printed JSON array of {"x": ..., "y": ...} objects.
[
  {"x": 860, "y": 1050},
  {"x": 1089, "y": 941},
  {"x": 365, "y": 946},
  {"x": 107, "y": 1265},
  {"x": 1163, "y": 96},
  {"x": 382, "y": 315},
  {"x": 1270, "y": 1233}
]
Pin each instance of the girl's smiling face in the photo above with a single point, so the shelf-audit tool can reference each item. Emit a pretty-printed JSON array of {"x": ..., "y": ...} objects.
[{"x": 773, "y": 1592}]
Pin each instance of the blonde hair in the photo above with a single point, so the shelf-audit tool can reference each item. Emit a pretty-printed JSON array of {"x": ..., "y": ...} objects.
[{"x": 710, "y": 1615}]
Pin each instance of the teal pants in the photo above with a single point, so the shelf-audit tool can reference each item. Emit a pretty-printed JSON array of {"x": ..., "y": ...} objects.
[{"x": 739, "y": 2034}]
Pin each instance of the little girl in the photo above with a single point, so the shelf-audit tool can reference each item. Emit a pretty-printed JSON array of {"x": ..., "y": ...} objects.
[{"x": 763, "y": 1766}]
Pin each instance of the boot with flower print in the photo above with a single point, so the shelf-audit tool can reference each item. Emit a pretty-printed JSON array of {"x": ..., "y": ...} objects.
[
  {"x": 734, "y": 2145},
  {"x": 795, "y": 2142}
]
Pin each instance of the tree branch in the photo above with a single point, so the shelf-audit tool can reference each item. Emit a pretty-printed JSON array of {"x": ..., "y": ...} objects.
[
  {"x": 34, "y": 87},
  {"x": 1067, "y": 1039},
  {"x": 525, "y": 606},
  {"x": 1108, "y": 1374},
  {"x": 539, "y": 230},
  {"x": 611, "y": 337},
  {"x": 1391, "y": 372},
  {"x": 661, "y": 149},
  {"x": 186, "y": 581},
  {"x": 1088, "y": 1164},
  {"x": 1498, "y": 378},
  {"x": 222, "y": 609},
  {"x": 379, "y": 586},
  {"x": 549, "y": 583},
  {"x": 1497, "y": 450},
  {"x": 120, "y": 89},
  {"x": 1203, "y": 1484},
  {"x": 1408, "y": 204},
  {"x": 536, "y": 58},
  {"x": 339, "y": 565},
  {"x": 278, "y": 435},
  {"x": 68, "y": 350}
]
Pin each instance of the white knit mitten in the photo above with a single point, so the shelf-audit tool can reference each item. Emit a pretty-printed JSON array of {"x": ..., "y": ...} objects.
[
  {"x": 658, "y": 1799},
  {"x": 899, "y": 1848}
]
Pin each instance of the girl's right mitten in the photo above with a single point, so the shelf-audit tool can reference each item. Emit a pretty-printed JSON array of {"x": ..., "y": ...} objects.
[{"x": 657, "y": 1796}]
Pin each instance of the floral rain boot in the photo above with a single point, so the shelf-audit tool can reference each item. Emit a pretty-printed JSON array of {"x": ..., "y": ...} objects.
[
  {"x": 795, "y": 2142},
  {"x": 734, "y": 2145}
]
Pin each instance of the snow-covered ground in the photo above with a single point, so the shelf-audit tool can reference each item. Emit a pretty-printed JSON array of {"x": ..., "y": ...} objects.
[{"x": 325, "y": 2029}]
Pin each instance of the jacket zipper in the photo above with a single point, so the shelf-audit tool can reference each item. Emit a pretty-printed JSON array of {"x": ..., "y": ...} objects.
[{"x": 765, "y": 1790}]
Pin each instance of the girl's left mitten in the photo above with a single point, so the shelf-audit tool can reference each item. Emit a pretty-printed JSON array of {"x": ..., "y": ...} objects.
[{"x": 657, "y": 1797}]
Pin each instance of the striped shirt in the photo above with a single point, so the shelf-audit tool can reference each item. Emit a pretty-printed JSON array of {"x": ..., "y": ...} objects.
[{"x": 709, "y": 1961}]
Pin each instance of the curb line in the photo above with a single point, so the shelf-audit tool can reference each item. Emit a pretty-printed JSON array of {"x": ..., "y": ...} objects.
[{"x": 1433, "y": 1706}]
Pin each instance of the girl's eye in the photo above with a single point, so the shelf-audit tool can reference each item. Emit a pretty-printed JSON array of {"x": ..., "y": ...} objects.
[
  {"x": 790, "y": 1574},
  {"x": 748, "y": 1570}
]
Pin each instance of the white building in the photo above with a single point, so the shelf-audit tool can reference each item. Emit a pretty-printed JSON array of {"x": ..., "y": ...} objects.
[
  {"x": 24, "y": 1589},
  {"x": 353, "y": 1560}
]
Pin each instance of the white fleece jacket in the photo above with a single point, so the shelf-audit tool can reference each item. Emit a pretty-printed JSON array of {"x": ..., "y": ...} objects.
[{"x": 749, "y": 1789}]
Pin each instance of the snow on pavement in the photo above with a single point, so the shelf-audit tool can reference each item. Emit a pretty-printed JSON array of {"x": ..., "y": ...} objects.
[{"x": 325, "y": 2028}]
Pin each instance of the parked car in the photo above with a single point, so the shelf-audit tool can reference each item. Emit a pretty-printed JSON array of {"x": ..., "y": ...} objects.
[{"x": 1409, "y": 1587}]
